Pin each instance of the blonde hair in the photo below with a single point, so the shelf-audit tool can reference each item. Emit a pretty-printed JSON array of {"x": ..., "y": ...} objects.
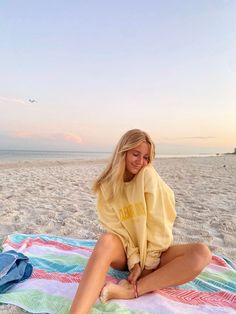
[{"x": 113, "y": 174}]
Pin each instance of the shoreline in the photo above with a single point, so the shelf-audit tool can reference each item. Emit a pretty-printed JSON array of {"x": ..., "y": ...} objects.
[{"x": 26, "y": 163}]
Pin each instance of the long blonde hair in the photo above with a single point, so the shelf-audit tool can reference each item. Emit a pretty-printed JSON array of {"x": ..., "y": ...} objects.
[{"x": 113, "y": 175}]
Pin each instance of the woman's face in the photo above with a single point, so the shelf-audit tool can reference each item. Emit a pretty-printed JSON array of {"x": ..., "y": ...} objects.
[{"x": 136, "y": 159}]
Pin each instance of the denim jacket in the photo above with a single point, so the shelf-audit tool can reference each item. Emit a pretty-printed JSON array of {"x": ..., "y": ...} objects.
[{"x": 14, "y": 268}]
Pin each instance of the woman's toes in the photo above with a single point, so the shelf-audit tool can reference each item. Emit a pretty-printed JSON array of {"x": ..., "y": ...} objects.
[
  {"x": 104, "y": 295},
  {"x": 123, "y": 283}
]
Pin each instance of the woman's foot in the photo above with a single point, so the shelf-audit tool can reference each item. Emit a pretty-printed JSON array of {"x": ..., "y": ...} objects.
[{"x": 122, "y": 290}]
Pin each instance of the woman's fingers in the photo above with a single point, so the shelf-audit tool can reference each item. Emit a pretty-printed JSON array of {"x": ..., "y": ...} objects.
[
  {"x": 146, "y": 272},
  {"x": 134, "y": 274}
]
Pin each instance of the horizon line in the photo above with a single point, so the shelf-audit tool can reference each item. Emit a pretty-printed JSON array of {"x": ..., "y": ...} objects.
[{"x": 106, "y": 152}]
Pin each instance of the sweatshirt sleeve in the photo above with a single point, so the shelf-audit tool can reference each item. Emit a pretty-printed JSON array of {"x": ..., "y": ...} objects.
[
  {"x": 161, "y": 214},
  {"x": 110, "y": 221}
]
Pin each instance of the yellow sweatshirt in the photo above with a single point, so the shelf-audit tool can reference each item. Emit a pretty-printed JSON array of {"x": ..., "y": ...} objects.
[{"x": 142, "y": 217}]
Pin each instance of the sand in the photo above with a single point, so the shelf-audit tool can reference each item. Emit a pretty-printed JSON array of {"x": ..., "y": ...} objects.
[{"x": 54, "y": 197}]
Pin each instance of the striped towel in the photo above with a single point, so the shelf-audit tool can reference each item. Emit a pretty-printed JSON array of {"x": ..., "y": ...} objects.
[{"x": 58, "y": 263}]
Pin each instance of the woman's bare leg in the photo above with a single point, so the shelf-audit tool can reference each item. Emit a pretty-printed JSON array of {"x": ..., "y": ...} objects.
[
  {"x": 108, "y": 251},
  {"x": 179, "y": 264}
]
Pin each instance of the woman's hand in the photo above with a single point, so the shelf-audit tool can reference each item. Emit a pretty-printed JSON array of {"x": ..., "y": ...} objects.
[
  {"x": 134, "y": 273},
  {"x": 146, "y": 272}
]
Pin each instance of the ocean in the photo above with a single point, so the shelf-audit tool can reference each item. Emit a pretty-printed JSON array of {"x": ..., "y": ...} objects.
[{"x": 21, "y": 155}]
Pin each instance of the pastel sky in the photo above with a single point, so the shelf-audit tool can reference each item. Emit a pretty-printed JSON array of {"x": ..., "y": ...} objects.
[{"x": 99, "y": 68}]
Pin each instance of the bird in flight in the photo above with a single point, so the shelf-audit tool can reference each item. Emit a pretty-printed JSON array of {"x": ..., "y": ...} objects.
[{"x": 32, "y": 101}]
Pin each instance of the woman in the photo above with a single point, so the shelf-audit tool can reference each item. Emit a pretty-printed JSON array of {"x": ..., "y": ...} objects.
[{"x": 136, "y": 207}]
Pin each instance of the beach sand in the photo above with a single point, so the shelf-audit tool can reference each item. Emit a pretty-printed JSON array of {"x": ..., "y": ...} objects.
[{"x": 54, "y": 197}]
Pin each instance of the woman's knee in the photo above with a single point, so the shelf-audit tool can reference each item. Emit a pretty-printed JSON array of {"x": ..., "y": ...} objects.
[
  {"x": 109, "y": 247},
  {"x": 200, "y": 255},
  {"x": 109, "y": 241}
]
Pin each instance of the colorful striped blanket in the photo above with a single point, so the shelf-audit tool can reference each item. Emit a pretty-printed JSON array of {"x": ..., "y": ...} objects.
[{"x": 58, "y": 263}]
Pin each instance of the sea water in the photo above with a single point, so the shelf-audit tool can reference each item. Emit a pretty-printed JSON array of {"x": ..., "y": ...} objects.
[{"x": 21, "y": 155}]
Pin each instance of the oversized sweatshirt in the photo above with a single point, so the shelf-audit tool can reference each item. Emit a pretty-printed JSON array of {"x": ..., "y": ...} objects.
[{"x": 142, "y": 216}]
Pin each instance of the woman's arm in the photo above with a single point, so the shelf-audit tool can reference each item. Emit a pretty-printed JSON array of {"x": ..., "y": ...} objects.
[{"x": 161, "y": 214}]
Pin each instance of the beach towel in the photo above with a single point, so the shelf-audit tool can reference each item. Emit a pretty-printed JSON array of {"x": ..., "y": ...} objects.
[{"x": 58, "y": 263}]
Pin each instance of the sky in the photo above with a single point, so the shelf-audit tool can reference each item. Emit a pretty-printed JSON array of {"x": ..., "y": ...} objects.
[{"x": 99, "y": 68}]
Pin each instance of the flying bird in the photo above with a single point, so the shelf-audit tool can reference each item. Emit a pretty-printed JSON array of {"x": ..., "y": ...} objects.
[{"x": 32, "y": 101}]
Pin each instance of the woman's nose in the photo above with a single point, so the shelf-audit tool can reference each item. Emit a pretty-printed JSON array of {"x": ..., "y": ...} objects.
[{"x": 139, "y": 160}]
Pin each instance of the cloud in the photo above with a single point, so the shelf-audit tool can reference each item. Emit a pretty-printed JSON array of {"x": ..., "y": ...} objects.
[
  {"x": 73, "y": 137},
  {"x": 188, "y": 138},
  {"x": 197, "y": 137},
  {"x": 4, "y": 100},
  {"x": 24, "y": 135}
]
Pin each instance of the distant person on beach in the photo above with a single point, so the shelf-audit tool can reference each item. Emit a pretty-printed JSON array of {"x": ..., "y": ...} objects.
[{"x": 137, "y": 208}]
